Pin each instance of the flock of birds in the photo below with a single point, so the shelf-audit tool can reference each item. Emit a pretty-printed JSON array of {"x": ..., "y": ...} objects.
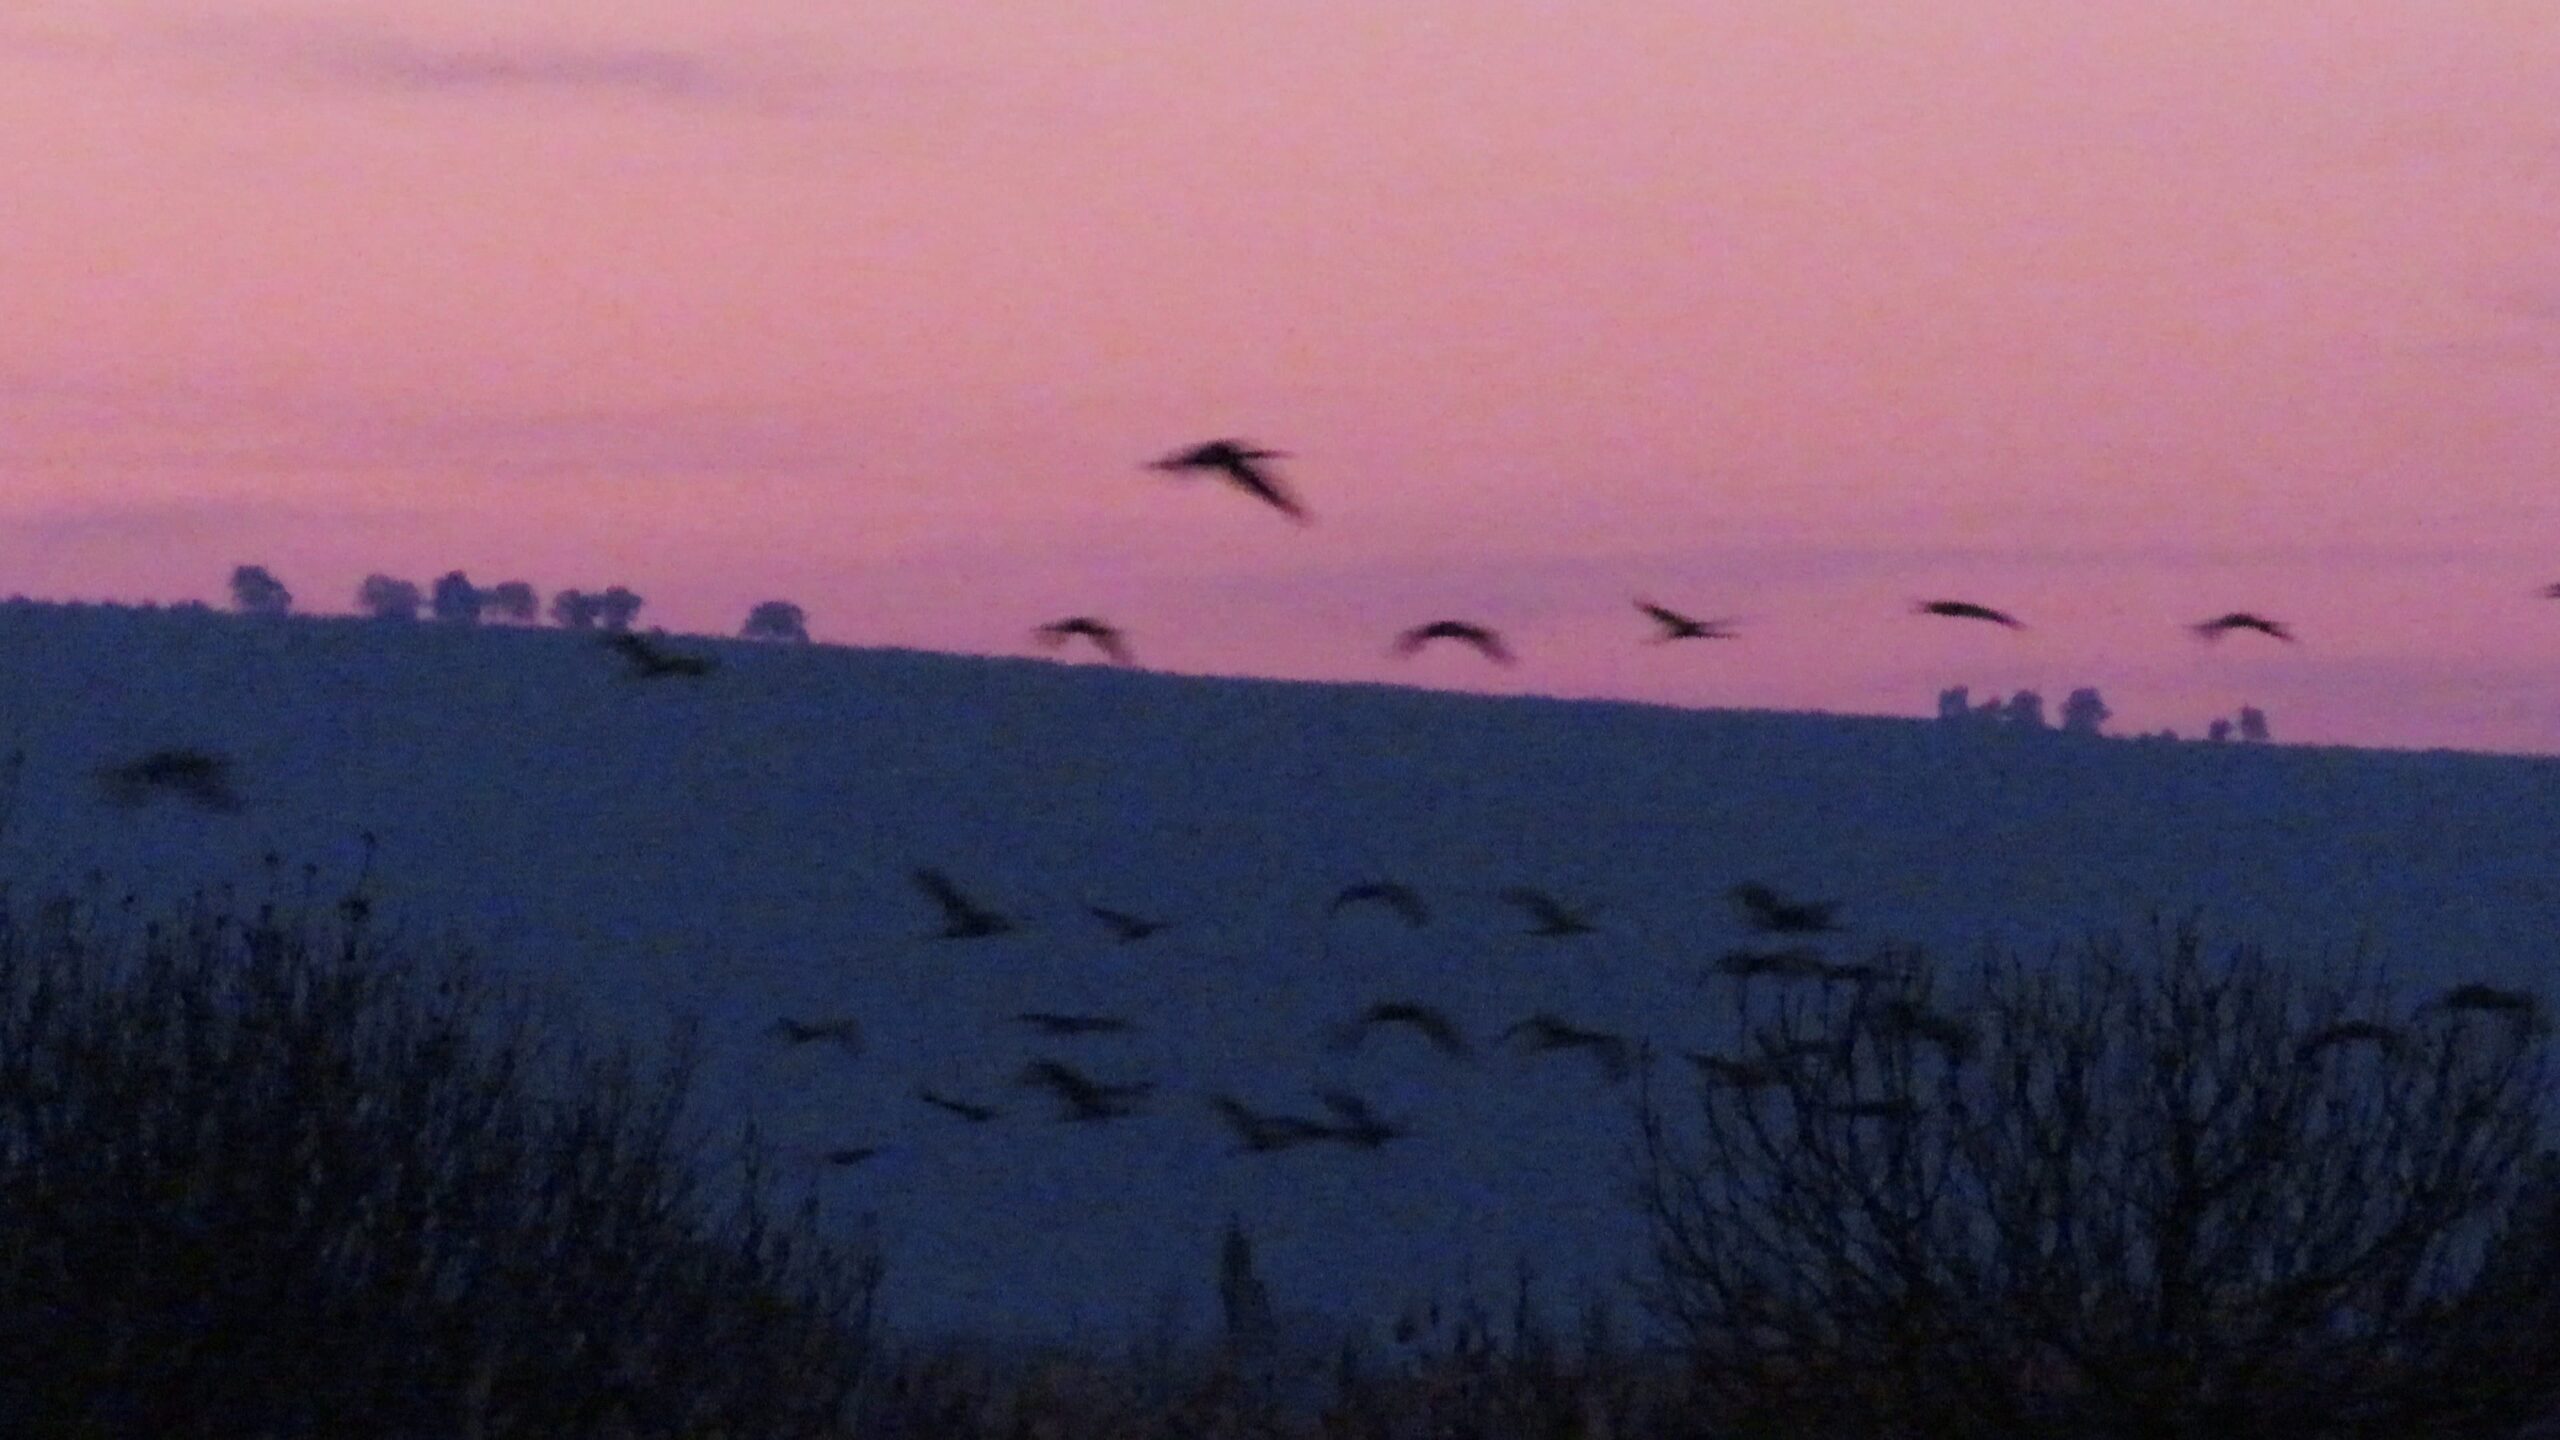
[
  {"x": 1245, "y": 466},
  {"x": 1347, "y": 1118},
  {"x": 1786, "y": 950}
]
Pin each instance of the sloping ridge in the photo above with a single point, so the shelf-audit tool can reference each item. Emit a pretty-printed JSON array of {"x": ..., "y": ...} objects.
[{"x": 738, "y": 848}]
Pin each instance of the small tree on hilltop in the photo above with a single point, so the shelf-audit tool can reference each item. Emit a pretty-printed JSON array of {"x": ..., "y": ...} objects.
[
  {"x": 575, "y": 610},
  {"x": 2025, "y": 711},
  {"x": 2083, "y": 713},
  {"x": 2134, "y": 1192},
  {"x": 385, "y": 598},
  {"x": 511, "y": 600},
  {"x": 456, "y": 600},
  {"x": 776, "y": 620},
  {"x": 254, "y": 591},
  {"x": 616, "y": 608},
  {"x": 2253, "y": 724}
]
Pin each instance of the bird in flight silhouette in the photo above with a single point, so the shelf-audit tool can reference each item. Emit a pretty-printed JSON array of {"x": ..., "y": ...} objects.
[
  {"x": 1084, "y": 1097},
  {"x": 1798, "y": 962},
  {"x": 648, "y": 662},
  {"x": 1771, "y": 912},
  {"x": 1676, "y": 626},
  {"x": 844, "y": 1032},
  {"x": 1967, "y": 610},
  {"x": 1125, "y": 927},
  {"x": 962, "y": 918},
  {"x": 1424, "y": 1021},
  {"x": 1554, "y": 918},
  {"x": 1544, "y": 1031},
  {"x": 1355, "y": 1123},
  {"x": 1050, "y": 1023},
  {"x": 1241, "y": 463},
  {"x": 1262, "y": 1132},
  {"x": 2221, "y": 625},
  {"x": 1473, "y": 634},
  {"x": 1393, "y": 894},
  {"x": 1106, "y": 637},
  {"x": 973, "y": 1113}
]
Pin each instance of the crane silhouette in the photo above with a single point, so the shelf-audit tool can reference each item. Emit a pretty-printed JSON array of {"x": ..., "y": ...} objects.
[
  {"x": 1481, "y": 637},
  {"x": 1068, "y": 1026},
  {"x": 1106, "y": 637},
  {"x": 2221, "y": 625},
  {"x": 1676, "y": 626},
  {"x": 1082, "y": 1097},
  {"x": 1553, "y": 917},
  {"x": 975, "y": 1114},
  {"x": 1125, "y": 927},
  {"x": 1967, "y": 610},
  {"x": 1768, "y": 911},
  {"x": 1239, "y": 462},
  {"x": 1394, "y": 894},
  {"x": 1430, "y": 1024},
  {"x": 1544, "y": 1031},
  {"x": 962, "y": 918},
  {"x": 648, "y": 662}
]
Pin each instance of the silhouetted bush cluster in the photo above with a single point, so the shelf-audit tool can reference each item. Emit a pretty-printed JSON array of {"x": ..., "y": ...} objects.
[
  {"x": 267, "y": 1175},
  {"x": 2142, "y": 1189}
]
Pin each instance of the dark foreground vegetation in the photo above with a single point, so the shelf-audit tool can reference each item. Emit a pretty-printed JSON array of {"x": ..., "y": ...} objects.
[
  {"x": 265, "y": 1172},
  {"x": 263, "y": 1175}
]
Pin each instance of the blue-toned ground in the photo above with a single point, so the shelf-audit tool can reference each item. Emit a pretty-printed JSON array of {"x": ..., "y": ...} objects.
[{"x": 738, "y": 849}]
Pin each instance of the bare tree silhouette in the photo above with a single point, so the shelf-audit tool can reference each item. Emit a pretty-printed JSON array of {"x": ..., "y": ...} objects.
[{"x": 2139, "y": 1189}]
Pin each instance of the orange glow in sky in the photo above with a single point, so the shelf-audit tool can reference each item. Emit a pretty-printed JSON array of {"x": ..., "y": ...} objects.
[{"x": 2116, "y": 314}]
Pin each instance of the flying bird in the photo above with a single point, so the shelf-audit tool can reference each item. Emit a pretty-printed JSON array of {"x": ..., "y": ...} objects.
[
  {"x": 1737, "y": 1074},
  {"x": 2491, "y": 1000},
  {"x": 1084, "y": 1098},
  {"x": 1125, "y": 927},
  {"x": 973, "y": 1113},
  {"x": 1240, "y": 462},
  {"x": 1473, "y": 634},
  {"x": 1544, "y": 1031},
  {"x": 198, "y": 776},
  {"x": 648, "y": 662},
  {"x": 1952, "y": 1036},
  {"x": 1770, "y": 912},
  {"x": 1051, "y": 1023},
  {"x": 2551, "y": 591},
  {"x": 963, "y": 918},
  {"x": 1554, "y": 918},
  {"x": 1355, "y": 1123},
  {"x": 1393, "y": 894},
  {"x": 1676, "y": 626},
  {"x": 845, "y": 1032},
  {"x": 1796, "y": 962},
  {"x": 2349, "y": 1032},
  {"x": 1967, "y": 610},
  {"x": 852, "y": 1156},
  {"x": 2221, "y": 625},
  {"x": 1106, "y": 637},
  {"x": 1261, "y": 1133},
  {"x": 1424, "y": 1021}
]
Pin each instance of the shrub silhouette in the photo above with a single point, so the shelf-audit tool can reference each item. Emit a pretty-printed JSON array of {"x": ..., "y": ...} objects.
[
  {"x": 2123, "y": 1193},
  {"x": 775, "y": 620},
  {"x": 268, "y": 1176},
  {"x": 575, "y": 610},
  {"x": 256, "y": 591},
  {"x": 455, "y": 600},
  {"x": 512, "y": 600},
  {"x": 386, "y": 598}
]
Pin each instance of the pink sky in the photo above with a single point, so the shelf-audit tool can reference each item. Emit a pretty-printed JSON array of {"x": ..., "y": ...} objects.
[{"x": 2116, "y": 313}]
